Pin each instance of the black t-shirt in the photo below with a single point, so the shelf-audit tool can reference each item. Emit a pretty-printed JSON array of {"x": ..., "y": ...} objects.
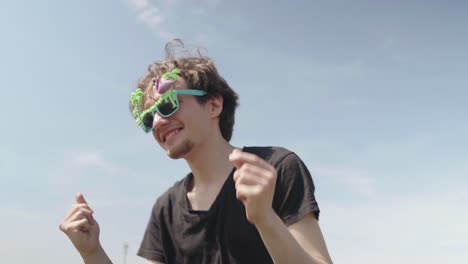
[{"x": 177, "y": 234}]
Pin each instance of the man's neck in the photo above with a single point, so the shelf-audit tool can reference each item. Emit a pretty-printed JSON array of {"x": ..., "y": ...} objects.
[{"x": 210, "y": 163}]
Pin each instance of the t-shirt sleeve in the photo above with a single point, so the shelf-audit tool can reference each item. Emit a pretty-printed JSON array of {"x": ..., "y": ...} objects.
[
  {"x": 294, "y": 194},
  {"x": 151, "y": 247}
]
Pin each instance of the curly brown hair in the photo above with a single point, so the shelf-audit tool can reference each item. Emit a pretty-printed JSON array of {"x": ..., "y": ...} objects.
[{"x": 200, "y": 73}]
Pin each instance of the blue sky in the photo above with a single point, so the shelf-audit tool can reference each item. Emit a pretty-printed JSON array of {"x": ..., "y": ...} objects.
[{"x": 371, "y": 94}]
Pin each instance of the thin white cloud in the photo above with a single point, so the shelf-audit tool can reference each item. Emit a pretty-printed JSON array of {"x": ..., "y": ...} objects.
[
  {"x": 18, "y": 212},
  {"x": 421, "y": 228},
  {"x": 91, "y": 159},
  {"x": 78, "y": 170},
  {"x": 201, "y": 38},
  {"x": 211, "y": 3},
  {"x": 389, "y": 45},
  {"x": 398, "y": 57},
  {"x": 151, "y": 17},
  {"x": 170, "y": 2},
  {"x": 198, "y": 11},
  {"x": 139, "y": 4},
  {"x": 160, "y": 16},
  {"x": 349, "y": 179},
  {"x": 120, "y": 204},
  {"x": 344, "y": 71},
  {"x": 351, "y": 101},
  {"x": 165, "y": 35},
  {"x": 388, "y": 42}
]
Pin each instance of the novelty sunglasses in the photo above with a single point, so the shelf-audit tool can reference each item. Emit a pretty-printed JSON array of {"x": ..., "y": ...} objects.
[{"x": 167, "y": 105}]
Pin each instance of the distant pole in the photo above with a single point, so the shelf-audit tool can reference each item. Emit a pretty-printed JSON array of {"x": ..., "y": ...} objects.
[{"x": 125, "y": 246}]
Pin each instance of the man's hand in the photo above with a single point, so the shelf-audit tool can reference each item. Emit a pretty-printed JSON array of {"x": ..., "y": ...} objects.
[
  {"x": 255, "y": 181},
  {"x": 80, "y": 226},
  {"x": 302, "y": 242}
]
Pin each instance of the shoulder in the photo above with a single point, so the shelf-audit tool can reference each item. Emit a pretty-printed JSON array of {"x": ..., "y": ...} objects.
[
  {"x": 171, "y": 197},
  {"x": 272, "y": 154}
]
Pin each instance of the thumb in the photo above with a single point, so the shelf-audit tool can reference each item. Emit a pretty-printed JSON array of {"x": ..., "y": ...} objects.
[
  {"x": 80, "y": 198},
  {"x": 234, "y": 157}
]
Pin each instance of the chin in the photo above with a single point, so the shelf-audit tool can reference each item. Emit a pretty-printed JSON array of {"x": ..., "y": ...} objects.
[{"x": 180, "y": 150}]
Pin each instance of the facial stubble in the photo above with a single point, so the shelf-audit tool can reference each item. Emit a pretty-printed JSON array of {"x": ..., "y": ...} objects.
[{"x": 178, "y": 151}]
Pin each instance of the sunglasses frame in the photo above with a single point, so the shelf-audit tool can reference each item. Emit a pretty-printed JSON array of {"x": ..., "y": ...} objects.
[{"x": 169, "y": 96}]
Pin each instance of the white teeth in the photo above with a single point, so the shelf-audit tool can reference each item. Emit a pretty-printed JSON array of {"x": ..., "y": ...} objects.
[{"x": 173, "y": 133}]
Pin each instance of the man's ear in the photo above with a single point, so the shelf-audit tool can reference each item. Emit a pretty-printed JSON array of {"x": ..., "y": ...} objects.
[{"x": 215, "y": 105}]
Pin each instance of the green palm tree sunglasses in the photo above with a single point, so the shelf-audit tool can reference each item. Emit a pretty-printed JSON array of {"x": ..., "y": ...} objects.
[{"x": 165, "y": 106}]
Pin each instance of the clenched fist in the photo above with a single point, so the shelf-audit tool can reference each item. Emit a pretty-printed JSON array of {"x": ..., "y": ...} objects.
[{"x": 255, "y": 181}]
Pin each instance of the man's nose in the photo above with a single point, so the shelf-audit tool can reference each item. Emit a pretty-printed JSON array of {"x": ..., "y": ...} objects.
[{"x": 159, "y": 120}]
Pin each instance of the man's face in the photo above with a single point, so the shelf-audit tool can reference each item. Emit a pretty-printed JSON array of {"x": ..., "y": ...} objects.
[{"x": 179, "y": 133}]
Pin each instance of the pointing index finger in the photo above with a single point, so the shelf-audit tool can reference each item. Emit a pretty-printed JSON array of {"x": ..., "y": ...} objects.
[{"x": 80, "y": 198}]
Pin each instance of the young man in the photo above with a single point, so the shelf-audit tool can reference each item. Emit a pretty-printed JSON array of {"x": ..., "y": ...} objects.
[{"x": 238, "y": 205}]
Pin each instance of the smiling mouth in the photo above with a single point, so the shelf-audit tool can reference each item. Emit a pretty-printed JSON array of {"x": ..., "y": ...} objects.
[{"x": 171, "y": 134}]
